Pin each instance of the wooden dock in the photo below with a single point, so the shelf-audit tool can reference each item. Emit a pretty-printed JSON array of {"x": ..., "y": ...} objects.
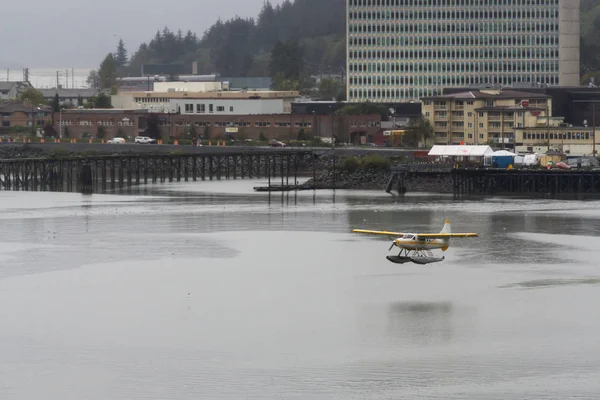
[
  {"x": 497, "y": 181},
  {"x": 525, "y": 181},
  {"x": 90, "y": 174}
]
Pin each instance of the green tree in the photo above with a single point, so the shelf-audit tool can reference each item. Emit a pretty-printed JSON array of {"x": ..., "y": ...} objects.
[
  {"x": 93, "y": 80},
  {"x": 56, "y": 103},
  {"x": 101, "y": 100},
  {"x": 286, "y": 60},
  {"x": 107, "y": 73},
  {"x": 32, "y": 96},
  {"x": 332, "y": 89},
  {"x": 366, "y": 108},
  {"x": 153, "y": 126},
  {"x": 121, "y": 58},
  {"x": 49, "y": 130},
  {"x": 419, "y": 129},
  {"x": 101, "y": 132}
]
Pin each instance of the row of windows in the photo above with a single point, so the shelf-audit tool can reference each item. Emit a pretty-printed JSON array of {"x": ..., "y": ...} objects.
[
  {"x": 241, "y": 124},
  {"x": 201, "y": 108},
  {"x": 453, "y": 3},
  {"x": 430, "y": 80},
  {"x": 440, "y": 14},
  {"x": 501, "y": 53},
  {"x": 517, "y": 28},
  {"x": 459, "y": 68},
  {"x": 514, "y": 28},
  {"x": 558, "y": 136},
  {"x": 151, "y": 100},
  {"x": 387, "y": 41}
]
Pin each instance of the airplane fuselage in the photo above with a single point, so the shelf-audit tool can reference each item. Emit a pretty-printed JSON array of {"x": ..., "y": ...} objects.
[{"x": 416, "y": 244}]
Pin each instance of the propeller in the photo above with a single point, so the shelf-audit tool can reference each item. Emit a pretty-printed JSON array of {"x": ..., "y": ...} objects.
[{"x": 391, "y": 247}]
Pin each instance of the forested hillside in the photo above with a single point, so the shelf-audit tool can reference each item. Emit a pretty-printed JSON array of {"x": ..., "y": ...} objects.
[{"x": 242, "y": 47}]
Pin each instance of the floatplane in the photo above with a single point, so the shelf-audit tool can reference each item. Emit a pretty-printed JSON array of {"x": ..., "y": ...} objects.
[{"x": 416, "y": 247}]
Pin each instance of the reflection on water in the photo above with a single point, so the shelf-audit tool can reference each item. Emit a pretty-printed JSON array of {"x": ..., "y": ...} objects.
[
  {"x": 210, "y": 290},
  {"x": 422, "y": 322},
  {"x": 544, "y": 283}
]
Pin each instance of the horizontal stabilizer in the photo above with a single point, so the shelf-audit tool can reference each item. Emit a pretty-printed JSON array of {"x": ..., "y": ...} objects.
[{"x": 387, "y": 233}]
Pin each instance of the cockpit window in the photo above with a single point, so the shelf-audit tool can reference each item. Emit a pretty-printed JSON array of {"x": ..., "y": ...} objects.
[{"x": 408, "y": 236}]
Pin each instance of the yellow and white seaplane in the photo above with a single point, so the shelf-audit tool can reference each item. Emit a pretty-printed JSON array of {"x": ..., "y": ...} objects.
[{"x": 416, "y": 247}]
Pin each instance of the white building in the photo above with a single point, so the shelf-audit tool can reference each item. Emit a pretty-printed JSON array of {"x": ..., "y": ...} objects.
[
  {"x": 231, "y": 106},
  {"x": 216, "y": 103}
]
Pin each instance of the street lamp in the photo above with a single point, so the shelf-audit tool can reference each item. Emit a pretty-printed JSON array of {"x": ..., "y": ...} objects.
[
  {"x": 33, "y": 119},
  {"x": 59, "y": 122}
]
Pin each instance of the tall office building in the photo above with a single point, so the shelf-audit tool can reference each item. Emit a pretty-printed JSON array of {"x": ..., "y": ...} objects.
[{"x": 401, "y": 50}]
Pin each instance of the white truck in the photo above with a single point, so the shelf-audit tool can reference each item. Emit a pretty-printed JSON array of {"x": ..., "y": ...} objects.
[{"x": 144, "y": 140}]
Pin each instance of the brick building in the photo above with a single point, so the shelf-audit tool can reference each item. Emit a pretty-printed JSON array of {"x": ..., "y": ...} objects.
[
  {"x": 130, "y": 123},
  {"x": 15, "y": 114}
]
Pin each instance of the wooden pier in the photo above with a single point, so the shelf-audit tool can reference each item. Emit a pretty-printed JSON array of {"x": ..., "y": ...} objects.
[
  {"x": 89, "y": 174},
  {"x": 493, "y": 181},
  {"x": 525, "y": 181}
]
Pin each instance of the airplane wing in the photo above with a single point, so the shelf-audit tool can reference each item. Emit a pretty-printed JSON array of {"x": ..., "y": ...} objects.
[
  {"x": 386, "y": 233},
  {"x": 446, "y": 235}
]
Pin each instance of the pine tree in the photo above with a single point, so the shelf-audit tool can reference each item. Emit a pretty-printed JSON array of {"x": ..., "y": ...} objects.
[
  {"x": 121, "y": 57},
  {"x": 107, "y": 74}
]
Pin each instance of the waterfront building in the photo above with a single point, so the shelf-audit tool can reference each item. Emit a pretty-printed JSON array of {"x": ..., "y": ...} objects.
[
  {"x": 401, "y": 50},
  {"x": 484, "y": 116},
  {"x": 86, "y": 123},
  {"x": 562, "y": 138}
]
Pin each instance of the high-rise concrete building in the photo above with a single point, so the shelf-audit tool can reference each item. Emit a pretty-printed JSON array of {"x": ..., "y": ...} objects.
[{"x": 402, "y": 50}]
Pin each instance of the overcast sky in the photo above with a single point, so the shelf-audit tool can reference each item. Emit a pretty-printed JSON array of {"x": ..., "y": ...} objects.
[{"x": 79, "y": 33}]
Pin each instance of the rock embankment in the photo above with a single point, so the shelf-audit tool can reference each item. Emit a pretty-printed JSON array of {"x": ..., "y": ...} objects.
[
  {"x": 10, "y": 152},
  {"x": 438, "y": 183},
  {"x": 377, "y": 179},
  {"x": 360, "y": 179}
]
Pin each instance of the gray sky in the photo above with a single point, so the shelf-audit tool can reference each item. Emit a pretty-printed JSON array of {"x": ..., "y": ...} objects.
[{"x": 79, "y": 33}]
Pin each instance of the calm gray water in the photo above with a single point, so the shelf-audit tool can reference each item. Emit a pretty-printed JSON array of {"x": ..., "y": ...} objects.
[{"x": 207, "y": 290}]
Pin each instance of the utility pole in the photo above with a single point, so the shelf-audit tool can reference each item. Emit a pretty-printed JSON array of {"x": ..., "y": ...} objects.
[
  {"x": 57, "y": 80},
  {"x": 594, "y": 129},
  {"x": 66, "y": 78}
]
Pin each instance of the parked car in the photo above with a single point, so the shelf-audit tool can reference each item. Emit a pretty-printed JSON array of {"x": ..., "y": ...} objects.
[
  {"x": 276, "y": 143},
  {"x": 144, "y": 140},
  {"x": 116, "y": 140}
]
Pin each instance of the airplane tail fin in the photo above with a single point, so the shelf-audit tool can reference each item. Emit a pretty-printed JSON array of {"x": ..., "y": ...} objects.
[{"x": 446, "y": 228}]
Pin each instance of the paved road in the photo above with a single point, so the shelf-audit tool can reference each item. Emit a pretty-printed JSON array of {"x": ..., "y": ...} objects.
[{"x": 166, "y": 148}]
